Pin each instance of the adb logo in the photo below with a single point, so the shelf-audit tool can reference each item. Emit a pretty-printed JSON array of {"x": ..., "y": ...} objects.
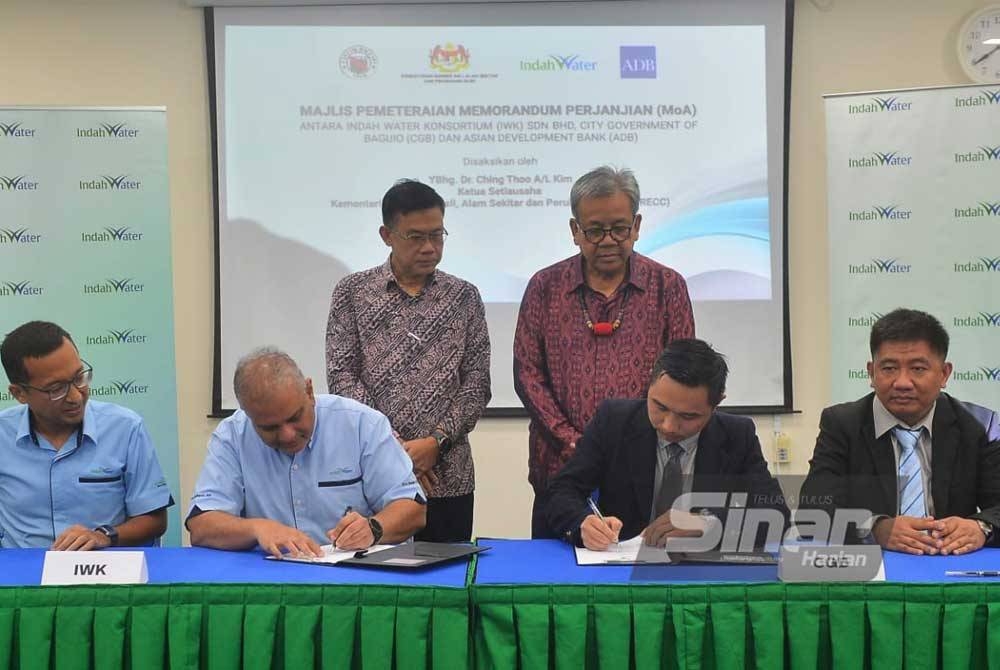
[
  {"x": 111, "y": 183},
  {"x": 980, "y": 374},
  {"x": 117, "y": 337},
  {"x": 880, "y": 213},
  {"x": 878, "y": 104},
  {"x": 15, "y": 130},
  {"x": 17, "y": 183},
  {"x": 983, "y": 98},
  {"x": 114, "y": 286},
  {"x": 879, "y": 266},
  {"x": 880, "y": 159},
  {"x": 18, "y": 236},
  {"x": 980, "y": 320},
  {"x": 862, "y": 321},
  {"x": 117, "y": 387},
  {"x": 985, "y": 153},
  {"x": 110, "y": 234},
  {"x": 637, "y": 62},
  {"x": 984, "y": 208},
  {"x": 981, "y": 264},
  {"x": 108, "y": 131},
  {"x": 19, "y": 289}
]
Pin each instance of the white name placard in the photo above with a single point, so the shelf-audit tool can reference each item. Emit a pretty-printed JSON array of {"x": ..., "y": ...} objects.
[{"x": 94, "y": 567}]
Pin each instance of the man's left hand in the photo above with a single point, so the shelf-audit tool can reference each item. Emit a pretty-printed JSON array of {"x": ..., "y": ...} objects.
[
  {"x": 960, "y": 536},
  {"x": 424, "y": 453},
  {"x": 78, "y": 538},
  {"x": 674, "y": 523},
  {"x": 353, "y": 532}
]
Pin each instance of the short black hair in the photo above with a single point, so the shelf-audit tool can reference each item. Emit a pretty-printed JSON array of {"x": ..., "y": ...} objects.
[
  {"x": 408, "y": 195},
  {"x": 693, "y": 363},
  {"x": 30, "y": 340},
  {"x": 909, "y": 325}
]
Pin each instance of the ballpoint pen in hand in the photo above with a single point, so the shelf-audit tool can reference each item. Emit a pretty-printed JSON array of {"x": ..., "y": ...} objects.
[
  {"x": 593, "y": 507},
  {"x": 972, "y": 573}
]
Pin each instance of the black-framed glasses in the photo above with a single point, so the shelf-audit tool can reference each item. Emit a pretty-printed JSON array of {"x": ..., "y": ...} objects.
[
  {"x": 435, "y": 237},
  {"x": 59, "y": 390},
  {"x": 619, "y": 232}
]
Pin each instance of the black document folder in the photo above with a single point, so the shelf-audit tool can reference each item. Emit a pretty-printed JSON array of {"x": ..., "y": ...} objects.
[{"x": 413, "y": 555}]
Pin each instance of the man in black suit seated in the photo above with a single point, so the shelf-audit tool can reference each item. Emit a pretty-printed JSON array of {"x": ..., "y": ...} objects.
[
  {"x": 644, "y": 454},
  {"x": 925, "y": 465}
]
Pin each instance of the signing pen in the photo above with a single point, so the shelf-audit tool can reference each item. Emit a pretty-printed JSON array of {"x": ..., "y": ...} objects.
[
  {"x": 972, "y": 573},
  {"x": 593, "y": 507}
]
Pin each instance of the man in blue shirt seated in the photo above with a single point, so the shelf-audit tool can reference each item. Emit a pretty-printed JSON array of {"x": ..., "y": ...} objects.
[
  {"x": 291, "y": 469},
  {"x": 74, "y": 475}
]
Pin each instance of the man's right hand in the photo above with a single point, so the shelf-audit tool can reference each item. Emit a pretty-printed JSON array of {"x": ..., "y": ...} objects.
[
  {"x": 277, "y": 539},
  {"x": 908, "y": 534},
  {"x": 598, "y": 535}
]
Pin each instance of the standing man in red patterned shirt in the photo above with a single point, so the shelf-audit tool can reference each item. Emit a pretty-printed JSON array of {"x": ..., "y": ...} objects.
[
  {"x": 411, "y": 341},
  {"x": 591, "y": 326}
]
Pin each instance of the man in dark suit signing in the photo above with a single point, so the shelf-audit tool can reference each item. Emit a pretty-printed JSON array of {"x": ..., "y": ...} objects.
[
  {"x": 924, "y": 466},
  {"x": 643, "y": 454}
]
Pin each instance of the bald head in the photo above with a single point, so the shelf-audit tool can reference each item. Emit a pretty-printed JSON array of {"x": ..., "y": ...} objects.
[{"x": 263, "y": 372}]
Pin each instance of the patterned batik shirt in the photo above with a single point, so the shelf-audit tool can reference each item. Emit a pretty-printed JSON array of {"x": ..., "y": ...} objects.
[
  {"x": 423, "y": 361},
  {"x": 562, "y": 370}
]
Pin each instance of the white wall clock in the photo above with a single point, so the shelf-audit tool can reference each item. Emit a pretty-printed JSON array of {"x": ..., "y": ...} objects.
[{"x": 979, "y": 45}]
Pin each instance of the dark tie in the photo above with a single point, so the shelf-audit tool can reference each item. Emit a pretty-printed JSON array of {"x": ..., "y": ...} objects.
[{"x": 671, "y": 483}]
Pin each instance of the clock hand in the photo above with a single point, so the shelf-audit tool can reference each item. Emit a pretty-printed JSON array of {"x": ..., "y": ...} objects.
[{"x": 986, "y": 55}]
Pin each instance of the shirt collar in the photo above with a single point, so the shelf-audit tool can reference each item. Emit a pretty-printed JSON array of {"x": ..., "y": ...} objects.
[
  {"x": 636, "y": 274},
  {"x": 886, "y": 421},
  {"x": 687, "y": 445},
  {"x": 26, "y": 428},
  {"x": 386, "y": 274}
]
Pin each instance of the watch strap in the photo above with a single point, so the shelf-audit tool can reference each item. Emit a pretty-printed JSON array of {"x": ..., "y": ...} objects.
[
  {"x": 444, "y": 442},
  {"x": 376, "y": 529},
  {"x": 110, "y": 532}
]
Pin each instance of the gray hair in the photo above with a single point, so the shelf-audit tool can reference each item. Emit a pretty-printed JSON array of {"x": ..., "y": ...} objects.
[
  {"x": 263, "y": 369},
  {"x": 603, "y": 182}
]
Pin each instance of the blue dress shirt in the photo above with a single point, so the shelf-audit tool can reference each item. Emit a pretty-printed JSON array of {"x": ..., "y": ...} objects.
[
  {"x": 106, "y": 472},
  {"x": 352, "y": 460}
]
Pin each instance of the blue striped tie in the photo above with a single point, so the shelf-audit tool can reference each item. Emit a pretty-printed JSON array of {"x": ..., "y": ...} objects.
[{"x": 911, "y": 481}]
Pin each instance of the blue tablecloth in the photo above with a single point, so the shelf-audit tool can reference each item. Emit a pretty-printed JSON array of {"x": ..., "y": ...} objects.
[
  {"x": 23, "y": 567},
  {"x": 553, "y": 562}
]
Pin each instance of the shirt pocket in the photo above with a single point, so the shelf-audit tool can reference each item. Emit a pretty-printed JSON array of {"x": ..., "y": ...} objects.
[{"x": 102, "y": 495}]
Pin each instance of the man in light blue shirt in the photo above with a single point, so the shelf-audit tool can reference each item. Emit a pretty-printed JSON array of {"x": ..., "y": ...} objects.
[
  {"x": 74, "y": 475},
  {"x": 291, "y": 469}
]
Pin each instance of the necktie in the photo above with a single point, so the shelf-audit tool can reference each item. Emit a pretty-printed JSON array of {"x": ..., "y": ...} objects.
[
  {"x": 911, "y": 481},
  {"x": 671, "y": 483}
]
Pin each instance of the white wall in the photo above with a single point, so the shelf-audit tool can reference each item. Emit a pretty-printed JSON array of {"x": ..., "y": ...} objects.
[{"x": 152, "y": 52}]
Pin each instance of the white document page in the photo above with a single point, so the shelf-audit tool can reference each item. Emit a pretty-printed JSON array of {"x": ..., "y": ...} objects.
[
  {"x": 626, "y": 552},
  {"x": 332, "y": 555}
]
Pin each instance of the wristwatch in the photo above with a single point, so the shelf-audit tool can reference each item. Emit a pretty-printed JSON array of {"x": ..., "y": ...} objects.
[
  {"x": 110, "y": 532},
  {"x": 376, "y": 528},
  {"x": 986, "y": 527},
  {"x": 444, "y": 442}
]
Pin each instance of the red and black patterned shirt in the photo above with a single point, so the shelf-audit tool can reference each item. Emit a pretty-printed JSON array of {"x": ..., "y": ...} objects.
[{"x": 562, "y": 370}]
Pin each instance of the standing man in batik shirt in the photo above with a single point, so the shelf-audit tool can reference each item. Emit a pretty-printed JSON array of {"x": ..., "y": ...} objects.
[
  {"x": 411, "y": 341},
  {"x": 591, "y": 326}
]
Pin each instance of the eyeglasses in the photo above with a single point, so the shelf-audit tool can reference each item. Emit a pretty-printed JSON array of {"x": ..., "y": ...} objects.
[
  {"x": 435, "y": 237},
  {"x": 596, "y": 234},
  {"x": 59, "y": 390}
]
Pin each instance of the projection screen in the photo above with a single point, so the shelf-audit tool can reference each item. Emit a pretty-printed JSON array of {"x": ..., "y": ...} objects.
[{"x": 500, "y": 107}]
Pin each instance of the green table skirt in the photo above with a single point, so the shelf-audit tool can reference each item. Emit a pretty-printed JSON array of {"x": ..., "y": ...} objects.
[
  {"x": 234, "y": 626},
  {"x": 879, "y": 626}
]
